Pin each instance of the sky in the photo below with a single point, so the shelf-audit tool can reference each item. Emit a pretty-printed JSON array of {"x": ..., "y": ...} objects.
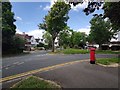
[{"x": 29, "y": 15}]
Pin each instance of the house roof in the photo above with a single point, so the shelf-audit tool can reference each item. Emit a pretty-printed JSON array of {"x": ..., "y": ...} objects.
[{"x": 26, "y": 36}]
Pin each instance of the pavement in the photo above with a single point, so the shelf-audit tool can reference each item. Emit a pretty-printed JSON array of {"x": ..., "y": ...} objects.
[{"x": 79, "y": 75}]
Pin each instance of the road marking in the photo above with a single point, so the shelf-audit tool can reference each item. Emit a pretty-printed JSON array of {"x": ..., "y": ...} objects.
[
  {"x": 12, "y": 65},
  {"x": 20, "y": 63},
  {"x": 38, "y": 70},
  {"x": 6, "y": 68},
  {"x": 42, "y": 55},
  {"x": 15, "y": 62}
]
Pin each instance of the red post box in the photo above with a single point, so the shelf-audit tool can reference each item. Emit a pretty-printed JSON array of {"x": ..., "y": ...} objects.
[{"x": 92, "y": 55}]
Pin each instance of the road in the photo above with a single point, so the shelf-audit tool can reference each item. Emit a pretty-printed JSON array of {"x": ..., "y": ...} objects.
[{"x": 39, "y": 59}]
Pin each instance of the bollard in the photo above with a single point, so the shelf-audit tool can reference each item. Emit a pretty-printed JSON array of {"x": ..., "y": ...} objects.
[{"x": 92, "y": 55}]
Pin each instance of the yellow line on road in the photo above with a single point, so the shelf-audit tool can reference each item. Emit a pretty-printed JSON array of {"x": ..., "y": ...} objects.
[{"x": 38, "y": 70}]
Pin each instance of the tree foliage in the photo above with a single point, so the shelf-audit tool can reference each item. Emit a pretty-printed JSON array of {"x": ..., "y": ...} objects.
[
  {"x": 11, "y": 43},
  {"x": 48, "y": 39},
  {"x": 8, "y": 27},
  {"x": 70, "y": 38},
  {"x": 0, "y": 15},
  {"x": 56, "y": 20},
  {"x": 92, "y": 5},
  {"x": 101, "y": 30},
  {"x": 79, "y": 39},
  {"x": 112, "y": 11},
  {"x": 40, "y": 45},
  {"x": 64, "y": 37},
  {"x": 18, "y": 43}
]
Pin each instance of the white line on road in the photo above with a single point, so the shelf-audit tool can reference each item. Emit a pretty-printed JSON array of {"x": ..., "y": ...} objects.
[
  {"x": 12, "y": 65},
  {"x": 15, "y": 62},
  {"x": 6, "y": 68},
  {"x": 42, "y": 55},
  {"x": 20, "y": 63}
]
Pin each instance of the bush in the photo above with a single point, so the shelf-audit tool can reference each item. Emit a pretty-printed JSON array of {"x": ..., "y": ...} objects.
[
  {"x": 105, "y": 47},
  {"x": 40, "y": 45},
  {"x": 46, "y": 47},
  {"x": 17, "y": 45}
]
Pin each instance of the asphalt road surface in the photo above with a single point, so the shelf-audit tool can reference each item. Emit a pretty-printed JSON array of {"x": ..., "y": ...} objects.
[
  {"x": 39, "y": 59},
  {"x": 83, "y": 75}
]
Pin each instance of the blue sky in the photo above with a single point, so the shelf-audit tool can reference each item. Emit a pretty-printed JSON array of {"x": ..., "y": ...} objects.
[{"x": 29, "y": 14}]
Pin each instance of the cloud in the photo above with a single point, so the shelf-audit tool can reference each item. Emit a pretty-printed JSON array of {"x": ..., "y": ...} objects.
[
  {"x": 18, "y": 31},
  {"x": 79, "y": 6},
  {"x": 18, "y": 18},
  {"x": 40, "y": 6},
  {"x": 86, "y": 30},
  {"x": 36, "y": 33},
  {"x": 74, "y": 8},
  {"x": 47, "y": 7}
]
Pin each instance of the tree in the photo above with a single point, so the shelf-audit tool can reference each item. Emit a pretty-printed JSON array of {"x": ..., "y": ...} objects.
[
  {"x": 64, "y": 37},
  {"x": 92, "y": 5},
  {"x": 18, "y": 43},
  {"x": 79, "y": 39},
  {"x": 56, "y": 20},
  {"x": 112, "y": 11},
  {"x": 0, "y": 15},
  {"x": 101, "y": 30},
  {"x": 8, "y": 27},
  {"x": 48, "y": 39}
]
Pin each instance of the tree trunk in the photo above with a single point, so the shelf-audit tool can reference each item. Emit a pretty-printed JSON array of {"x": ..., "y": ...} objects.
[{"x": 53, "y": 40}]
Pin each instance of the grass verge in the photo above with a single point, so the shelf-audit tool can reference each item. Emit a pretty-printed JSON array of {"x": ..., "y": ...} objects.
[
  {"x": 74, "y": 51},
  {"x": 107, "y": 61},
  {"x": 84, "y": 51},
  {"x": 35, "y": 82},
  {"x": 71, "y": 51},
  {"x": 107, "y": 52}
]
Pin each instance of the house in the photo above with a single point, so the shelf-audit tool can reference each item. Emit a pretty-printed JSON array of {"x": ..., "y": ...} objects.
[
  {"x": 30, "y": 41},
  {"x": 38, "y": 40},
  {"x": 115, "y": 43}
]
